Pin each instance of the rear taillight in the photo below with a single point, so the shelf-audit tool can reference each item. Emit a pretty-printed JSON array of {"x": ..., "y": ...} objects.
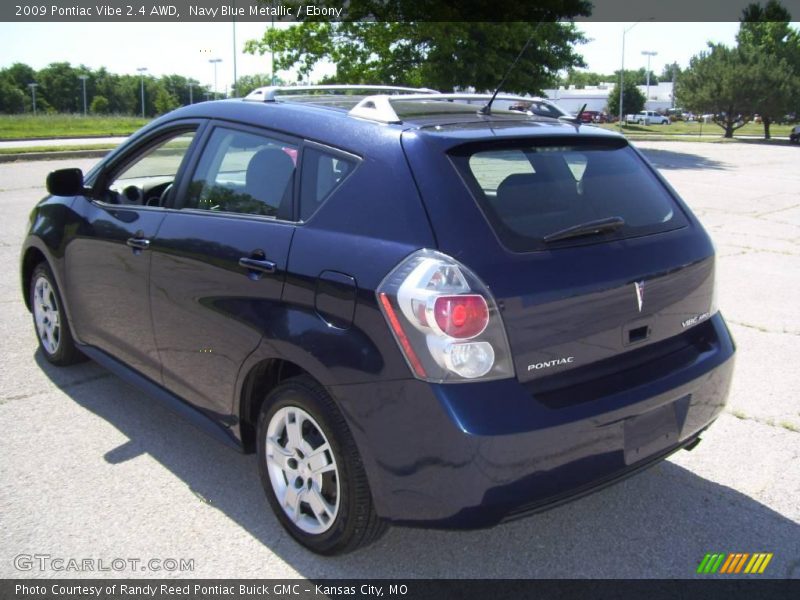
[
  {"x": 463, "y": 316},
  {"x": 445, "y": 320}
]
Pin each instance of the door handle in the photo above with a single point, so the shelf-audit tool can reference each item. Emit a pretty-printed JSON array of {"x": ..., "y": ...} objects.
[
  {"x": 138, "y": 244},
  {"x": 257, "y": 265}
]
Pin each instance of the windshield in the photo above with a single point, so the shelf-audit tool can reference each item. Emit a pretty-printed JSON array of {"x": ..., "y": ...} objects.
[{"x": 529, "y": 192}]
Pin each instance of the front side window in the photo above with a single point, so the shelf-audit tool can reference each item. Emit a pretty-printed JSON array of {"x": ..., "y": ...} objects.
[
  {"x": 530, "y": 193},
  {"x": 242, "y": 172},
  {"x": 148, "y": 179}
]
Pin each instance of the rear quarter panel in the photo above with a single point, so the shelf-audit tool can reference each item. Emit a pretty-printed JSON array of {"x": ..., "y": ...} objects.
[{"x": 368, "y": 225}]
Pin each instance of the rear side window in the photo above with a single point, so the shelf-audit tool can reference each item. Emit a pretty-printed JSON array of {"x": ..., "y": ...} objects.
[
  {"x": 322, "y": 173},
  {"x": 529, "y": 192},
  {"x": 242, "y": 172}
]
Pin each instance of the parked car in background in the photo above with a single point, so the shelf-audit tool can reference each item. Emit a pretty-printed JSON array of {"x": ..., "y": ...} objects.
[
  {"x": 794, "y": 135},
  {"x": 647, "y": 117},
  {"x": 412, "y": 310},
  {"x": 539, "y": 107},
  {"x": 676, "y": 114},
  {"x": 593, "y": 116}
]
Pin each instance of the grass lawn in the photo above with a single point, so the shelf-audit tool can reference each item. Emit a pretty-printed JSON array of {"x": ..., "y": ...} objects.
[
  {"x": 56, "y": 126},
  {"x": 66, "y": 126},
  {"x": 695, "y": 128},
  {"x": 64, "y": 148}
]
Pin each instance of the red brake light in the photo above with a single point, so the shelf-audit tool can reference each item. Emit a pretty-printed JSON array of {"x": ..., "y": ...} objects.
[
  {"x": 463, "y": 316},
  {"x": 401, "y": 335}
]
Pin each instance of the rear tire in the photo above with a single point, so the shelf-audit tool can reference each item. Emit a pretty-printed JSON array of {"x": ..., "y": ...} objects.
[
  {"x": 311, "y": 470},
  {"x": 50, "y": 320}
]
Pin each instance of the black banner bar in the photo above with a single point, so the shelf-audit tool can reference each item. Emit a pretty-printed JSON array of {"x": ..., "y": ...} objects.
[
  {"x": 372, "y": 10},
  {"x": 406, "y": 589}
]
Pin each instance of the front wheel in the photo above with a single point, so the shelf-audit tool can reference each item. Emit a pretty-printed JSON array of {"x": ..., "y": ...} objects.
[
  {"x": 311, "y": 470},
  {"x": 50, "y": 319}
]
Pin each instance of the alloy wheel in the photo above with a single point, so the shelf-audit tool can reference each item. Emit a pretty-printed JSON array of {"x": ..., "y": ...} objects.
[
  {"x": 47, "y": 315},
  {"x": 302, "y": 470}
]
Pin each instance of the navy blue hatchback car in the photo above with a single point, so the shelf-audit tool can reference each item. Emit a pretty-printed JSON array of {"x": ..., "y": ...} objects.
[{"x": 414, "y": 311}]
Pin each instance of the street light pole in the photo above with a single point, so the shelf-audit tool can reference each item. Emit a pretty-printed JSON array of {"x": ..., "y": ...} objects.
[
  {"x": 190, "y": 83},
  {"x": 622, "y": 70},
  {"x": 142, "y": 70},
  {"x": 648, "y": 54},
  {"x": 214, "y": 62},
  {"x": 271, "y": 50},
  {"x": 83, "y": 79},
  {"x": 235, "y": 79},
  {"x": 33, "y": 87},
  {"x": 674, "y": 68}
]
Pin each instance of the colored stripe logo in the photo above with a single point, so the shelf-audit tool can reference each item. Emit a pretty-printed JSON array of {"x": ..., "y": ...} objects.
[{"x": 734, "y": 563}]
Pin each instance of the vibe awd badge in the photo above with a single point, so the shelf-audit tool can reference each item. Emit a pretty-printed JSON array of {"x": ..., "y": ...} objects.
[{"x": 695, "y": 320}]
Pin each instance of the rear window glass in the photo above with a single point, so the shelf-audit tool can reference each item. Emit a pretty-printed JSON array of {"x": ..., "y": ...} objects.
[{"x": 529, "y": 193}]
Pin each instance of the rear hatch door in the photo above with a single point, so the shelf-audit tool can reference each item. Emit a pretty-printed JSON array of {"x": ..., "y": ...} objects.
[{"x": 589, "y": 254}]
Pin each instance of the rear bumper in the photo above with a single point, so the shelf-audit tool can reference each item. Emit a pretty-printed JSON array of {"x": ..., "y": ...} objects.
[{"x": 471, "y": 455}]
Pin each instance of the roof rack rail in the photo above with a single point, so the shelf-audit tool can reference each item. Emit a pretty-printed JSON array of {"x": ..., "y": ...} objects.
[
  {"x": 271, "y": 93},
  {"x": 379, "y": 107}
]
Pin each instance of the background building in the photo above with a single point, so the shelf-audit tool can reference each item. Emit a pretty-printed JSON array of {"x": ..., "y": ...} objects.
[{"x": 596, "y": 96}]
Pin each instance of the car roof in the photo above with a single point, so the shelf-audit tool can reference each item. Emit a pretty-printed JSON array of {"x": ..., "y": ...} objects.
[{"x": 322, "y": 116}]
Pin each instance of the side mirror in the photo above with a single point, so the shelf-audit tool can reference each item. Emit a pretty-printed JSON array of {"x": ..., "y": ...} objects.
[{"x": 65, "y": 182}]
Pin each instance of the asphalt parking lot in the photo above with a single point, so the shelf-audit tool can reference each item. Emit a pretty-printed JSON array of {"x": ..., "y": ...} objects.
[{"x": 90, "y": 468}]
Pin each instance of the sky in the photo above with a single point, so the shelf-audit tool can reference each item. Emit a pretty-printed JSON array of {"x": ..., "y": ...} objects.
[{"x": 185, "y": 48}]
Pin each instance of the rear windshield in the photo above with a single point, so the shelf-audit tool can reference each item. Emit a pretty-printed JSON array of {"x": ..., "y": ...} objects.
[{"x": 531, "y": 192}]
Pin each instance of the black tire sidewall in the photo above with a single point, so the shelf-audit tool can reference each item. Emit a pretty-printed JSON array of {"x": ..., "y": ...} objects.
[{"x": 296, "y": 394}]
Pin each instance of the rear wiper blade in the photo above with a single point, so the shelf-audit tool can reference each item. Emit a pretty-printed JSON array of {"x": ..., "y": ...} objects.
[{"x": 588, "y": 228}]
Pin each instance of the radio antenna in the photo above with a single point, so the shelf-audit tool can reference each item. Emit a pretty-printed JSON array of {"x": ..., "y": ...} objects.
[{"x": 487, "y": 110}]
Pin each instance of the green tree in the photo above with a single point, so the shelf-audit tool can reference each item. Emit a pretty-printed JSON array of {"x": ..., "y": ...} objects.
[
  {"x": 719, "y": 81},
  {"x": 122, "y": 92},
  {"x": 164, "y": 101},
  {"x": 580, "y": 79},
  {"x": 632, "y": 99},
  {"x": 769, "y": 30},
  {"x": 178, "y": 86},
  {"x": 670, "y": 71},
  {"x": 20, "y": 75},
  {"x": 772, "y": 85},
  {"x": 637, "y": 77},
  {"x": 766, "y": 32},
  {"x": 247, "y": 83},
  {"x": 60, "y": 87},
  {"x": 441, "y": 55},
  {"x": 99, "y": 105},
  {"x": 12, "y": 99}
]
